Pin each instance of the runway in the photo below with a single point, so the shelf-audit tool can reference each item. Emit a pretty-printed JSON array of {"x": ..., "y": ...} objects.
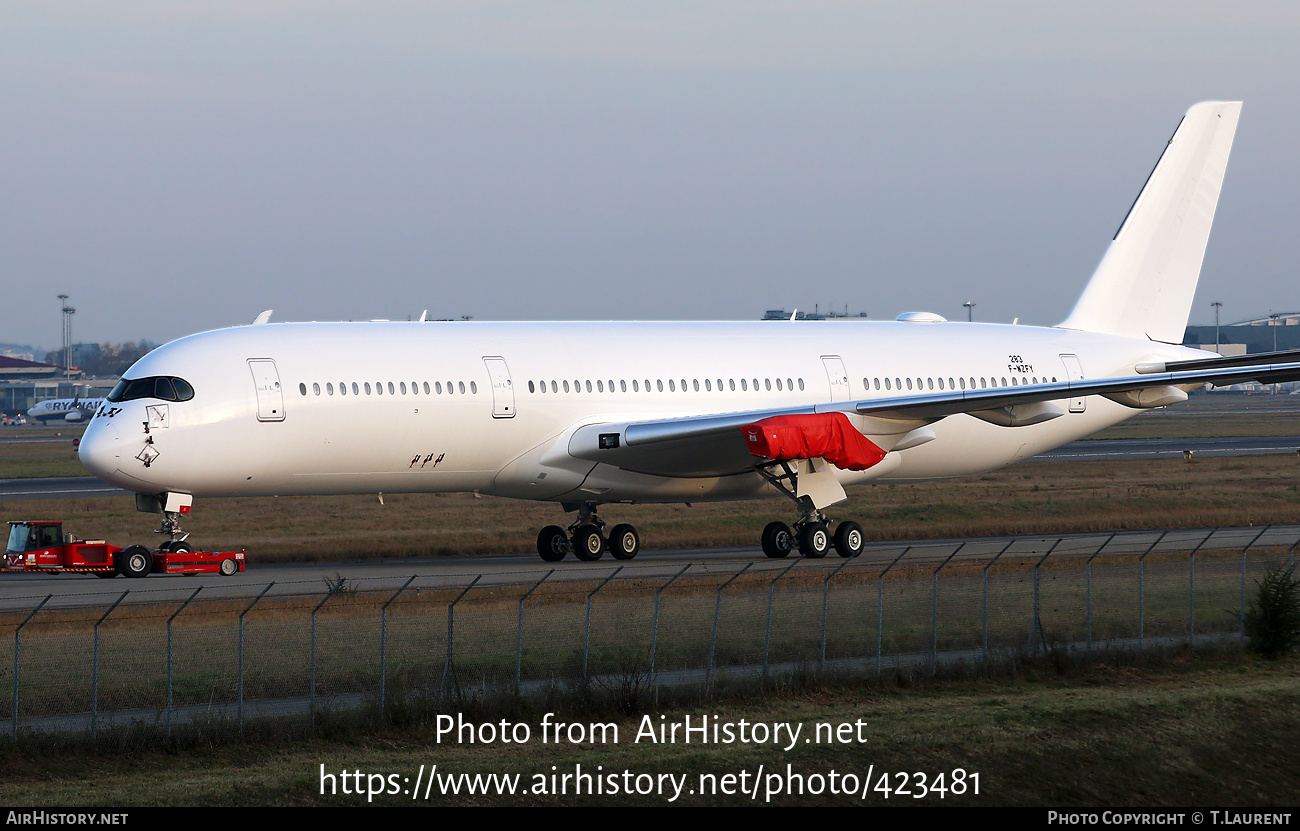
[
  {"x": 20, "y": 591},
  {"x": 57, "y": 487},
  {"x": 1099, "y": 450}
]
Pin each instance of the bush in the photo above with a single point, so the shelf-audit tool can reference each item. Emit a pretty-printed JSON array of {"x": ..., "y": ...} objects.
[{"x": 1273, "y": 622}]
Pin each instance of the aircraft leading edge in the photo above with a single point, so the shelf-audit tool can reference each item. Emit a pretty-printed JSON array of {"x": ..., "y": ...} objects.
[{"x": 588, "y": 414}]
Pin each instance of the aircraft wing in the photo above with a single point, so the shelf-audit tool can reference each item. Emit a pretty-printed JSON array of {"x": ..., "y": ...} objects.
[{"x": 713, "y": 445}]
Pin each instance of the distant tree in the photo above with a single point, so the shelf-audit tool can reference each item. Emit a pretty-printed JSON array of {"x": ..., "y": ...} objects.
[{"x": 103, "y": 359}]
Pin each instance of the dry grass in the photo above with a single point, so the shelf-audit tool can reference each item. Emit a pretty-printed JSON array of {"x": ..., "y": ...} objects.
[
  {"x": 1212, "y": 416},
  {"x": 1039, "y": 497},
  {"x": 1123, "y": 731},
  {"x": 34, "y": 460}
]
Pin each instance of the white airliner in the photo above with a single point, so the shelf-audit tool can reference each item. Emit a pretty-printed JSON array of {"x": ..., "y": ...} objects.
[
  {"x": 591, "y": 414},
  {"x": 65, "y": 409}
]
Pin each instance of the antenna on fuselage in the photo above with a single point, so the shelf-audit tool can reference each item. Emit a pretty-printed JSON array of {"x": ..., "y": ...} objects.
[{"x": 424, "y": 314}]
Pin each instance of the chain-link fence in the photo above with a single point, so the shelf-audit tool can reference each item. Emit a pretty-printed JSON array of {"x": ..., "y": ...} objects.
[{"x": 163, "y": 657}]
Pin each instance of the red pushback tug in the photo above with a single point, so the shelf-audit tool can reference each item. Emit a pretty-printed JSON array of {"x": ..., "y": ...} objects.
[{"x": 41, "y": 546}]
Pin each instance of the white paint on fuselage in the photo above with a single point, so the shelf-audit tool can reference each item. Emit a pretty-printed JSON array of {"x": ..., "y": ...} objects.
[{"x": 214, "y": 444}]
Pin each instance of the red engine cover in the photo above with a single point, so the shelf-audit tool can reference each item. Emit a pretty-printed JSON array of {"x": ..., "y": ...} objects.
[{"x": 829, "y": 436}]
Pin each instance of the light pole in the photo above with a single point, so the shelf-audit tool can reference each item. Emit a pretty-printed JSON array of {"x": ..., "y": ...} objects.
[
  {"x": 68, "y": 312},
  {"x": 970, "y": 311},
  {"x": 1275, "y": 316},
  {"x": 1217, "y": 305}
]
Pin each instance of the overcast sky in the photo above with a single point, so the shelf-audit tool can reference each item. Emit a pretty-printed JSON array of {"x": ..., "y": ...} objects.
[{"x": 180, "y": 166}]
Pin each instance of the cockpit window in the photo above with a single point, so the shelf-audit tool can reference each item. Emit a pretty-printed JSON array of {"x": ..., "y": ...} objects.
[{"x": 160, "y": 387}]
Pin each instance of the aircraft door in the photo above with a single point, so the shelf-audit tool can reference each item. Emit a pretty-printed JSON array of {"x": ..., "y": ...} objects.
[
  {"x": 838, "y": 377},
  {"x": 503, "y": 391},
  {"x": 270, "y": 398},
  {"x": 1074, "y": 372}
]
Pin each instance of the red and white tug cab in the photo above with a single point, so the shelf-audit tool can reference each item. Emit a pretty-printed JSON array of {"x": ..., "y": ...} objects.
[{"x": 41, "y": 546}]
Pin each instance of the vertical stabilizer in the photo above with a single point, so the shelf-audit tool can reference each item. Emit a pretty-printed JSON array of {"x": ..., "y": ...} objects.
[{"x": 1144, "y": 286}]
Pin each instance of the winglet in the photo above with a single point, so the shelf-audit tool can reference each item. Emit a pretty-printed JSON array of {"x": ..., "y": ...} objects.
[{"x": 264, "y": 317}]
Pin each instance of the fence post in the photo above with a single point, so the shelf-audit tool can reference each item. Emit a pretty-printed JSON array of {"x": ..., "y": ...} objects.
[
  {"x": 94, "y": 672},
  {"x": 17, "y": 649},
  {"x": 1038, "y": 620},
  {"x": 1191, "y": 589},
  {"x": 826, "y": 596},
  {"x": 1142, "y": 596},
  {"x": 654, "y": 629},
  {"x": 586, "y": 631},
  {"x": 1088, "y": 571},
  {"x": 169, "y": 655},
  {"x": 934, "y": 612},
  {"x": 987, "y": 566},
  {"x": 451, "y": 632},
  {"x": 767, "y": 632},
  {"x": 311, "y": 686},
  {"x": 519, "y": 644},
  {"x": 383, "y": 645},
  {"x": 880, "y": 605},
  {"x": 717, "y": 612},
  {"x": 1242, "y": 613},
  {"x": 241, "y": 652}
]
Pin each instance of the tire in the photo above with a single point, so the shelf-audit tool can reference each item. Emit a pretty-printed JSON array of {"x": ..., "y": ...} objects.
[
  {"x": 814, "y": 540},
  {"x": 177, "y": 547},
  {"x": 552, "y": 543},
  {"x": 849, "y": 539},
  {"x": 588, "y": 543},
  {"x": 624, "y": 542},
  {"x": 778, "y": 540},
  {"x": 229, "y": 568},
  {"x": 135, "y": 561}
]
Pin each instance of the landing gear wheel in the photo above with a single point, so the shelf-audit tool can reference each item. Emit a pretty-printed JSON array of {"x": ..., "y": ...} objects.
[
  {"x": 177, "y": 547},
  {"x": 624, "y": 542},
  {"x": 849, "y": 539},
  {"x": 814, "y": 540},
  {"x": 588, "y": 543},
  {"x": 229, "y": 568},
  {"x": 135, "y": 561},
  {"x": 778, "y": 540},
  {"x": 552, "y": 543}
]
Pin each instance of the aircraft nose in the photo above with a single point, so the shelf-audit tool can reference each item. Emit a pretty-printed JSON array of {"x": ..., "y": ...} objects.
[{"x": 100, "y": 449}]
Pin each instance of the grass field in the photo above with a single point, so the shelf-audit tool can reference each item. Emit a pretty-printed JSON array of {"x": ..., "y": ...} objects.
[
  {"x": 1039, "y": 497},
  {"x": 1126, "y": 731},
  {"x": 34, "y": 460},
  {"x": 1137, "y": 730}
]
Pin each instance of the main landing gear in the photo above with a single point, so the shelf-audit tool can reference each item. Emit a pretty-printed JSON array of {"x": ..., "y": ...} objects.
[
  {"x": 811, "y": 488},
  {"x": 811, "y": 535},
  {"x": 586, "y": 539}
]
